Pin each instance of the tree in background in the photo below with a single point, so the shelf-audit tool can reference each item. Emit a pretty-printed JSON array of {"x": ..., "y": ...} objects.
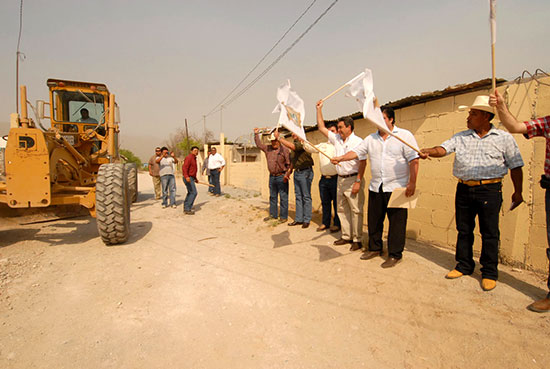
[
  {"x": 179, "y": 144},
  {"x": 130, "y": 157}
]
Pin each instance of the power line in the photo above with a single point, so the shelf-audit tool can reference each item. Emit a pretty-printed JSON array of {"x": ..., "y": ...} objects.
[
  {"x": 263, "y": 58},
  {"x": 265, "y": 71}
]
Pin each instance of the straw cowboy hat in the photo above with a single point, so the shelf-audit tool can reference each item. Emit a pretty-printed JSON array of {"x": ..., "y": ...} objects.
[
  {"x": 272, "y": 137},
  {"x": 480, "y": 103}
]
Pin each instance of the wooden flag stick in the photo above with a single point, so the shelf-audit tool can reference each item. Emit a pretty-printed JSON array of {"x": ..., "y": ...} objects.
[
  {"x": 318, "y": 150},
  {"x": 494, "y": 83},
  {"x": 335, "y": 92},
  {"x": 206, "y": 184}
]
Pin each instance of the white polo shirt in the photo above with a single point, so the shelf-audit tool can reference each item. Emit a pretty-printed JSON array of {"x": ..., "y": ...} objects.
[
  {"x": 342, "y": 147},
  {"x": 215, "y": 161},
  {"x": 326, "y": 167},
  {"x": 389, "y": 159}
]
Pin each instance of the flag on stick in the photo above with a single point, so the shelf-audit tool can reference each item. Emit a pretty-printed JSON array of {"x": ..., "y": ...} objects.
[
  {"x": 362, "y": 89},
  {"x": 291, "y": 110}
]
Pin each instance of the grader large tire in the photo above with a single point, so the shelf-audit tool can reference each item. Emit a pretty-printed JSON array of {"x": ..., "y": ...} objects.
[
  {"x": 112, "y": 204},
  {"x": 132, "y": 174}
]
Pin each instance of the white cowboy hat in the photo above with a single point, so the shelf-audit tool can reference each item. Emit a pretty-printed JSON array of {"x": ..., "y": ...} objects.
[{"x": 480, "y": 103}]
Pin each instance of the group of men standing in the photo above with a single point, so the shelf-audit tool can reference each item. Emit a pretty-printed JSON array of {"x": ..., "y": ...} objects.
[
  {"x": 483, "y": 156},
  {"x": 162, "y": 171}
]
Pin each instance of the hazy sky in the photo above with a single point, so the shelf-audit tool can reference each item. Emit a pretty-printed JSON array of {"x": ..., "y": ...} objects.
[{"x": 171, "y": 60}]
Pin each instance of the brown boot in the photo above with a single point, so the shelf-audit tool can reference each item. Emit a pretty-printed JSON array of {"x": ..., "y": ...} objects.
[{"x": 540, "y": 306}]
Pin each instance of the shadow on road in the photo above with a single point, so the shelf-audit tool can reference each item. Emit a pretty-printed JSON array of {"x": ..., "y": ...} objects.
[
  {"x": 446, "y": 260},
  {"x": 327, "y": 252}
]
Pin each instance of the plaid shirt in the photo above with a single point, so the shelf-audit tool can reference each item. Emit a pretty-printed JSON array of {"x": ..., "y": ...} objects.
[
  {"x": 484, "y": 157},
  {"x": 541, "y": 128}
]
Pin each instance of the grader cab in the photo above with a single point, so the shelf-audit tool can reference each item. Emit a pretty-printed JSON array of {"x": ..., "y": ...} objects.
[{"x": 72, "y": 163}]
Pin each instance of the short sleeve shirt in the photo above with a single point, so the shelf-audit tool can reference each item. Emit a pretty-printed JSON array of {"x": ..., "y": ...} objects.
[{"x": 486, "y": 157}]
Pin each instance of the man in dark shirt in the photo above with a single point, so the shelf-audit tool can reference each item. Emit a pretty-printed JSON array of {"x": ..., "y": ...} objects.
[
  {"x": 278, "y": 162},
  {"x": 154, "y": 169},
  {"x": 189, "y": 170},
  {"x": 301, "y": 162}
]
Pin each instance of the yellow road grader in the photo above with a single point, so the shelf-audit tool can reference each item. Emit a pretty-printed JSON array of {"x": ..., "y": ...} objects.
[{"x": 75, "y": 162}]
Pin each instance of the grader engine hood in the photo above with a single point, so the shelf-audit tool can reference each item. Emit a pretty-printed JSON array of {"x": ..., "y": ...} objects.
[{"x": 27, "y": 169}]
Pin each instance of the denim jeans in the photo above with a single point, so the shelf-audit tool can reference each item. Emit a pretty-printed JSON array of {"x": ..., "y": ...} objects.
[
  {"x": 327, "y": 191},
  {"x": 168, "y": 182},
  {"x": 191, "y": 194},
  {"x": 215, "y": 175},
  {"x": 278, "y": 188},
  {"x": 302, "y": 190},
  {"x": 210, "y": 189},
  {"x": 484, "y": 202},
  {"x": 547, "y": 207}
]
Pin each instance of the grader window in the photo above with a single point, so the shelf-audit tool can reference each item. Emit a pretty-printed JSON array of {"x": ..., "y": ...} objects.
[{"x": 79, "y": 107}]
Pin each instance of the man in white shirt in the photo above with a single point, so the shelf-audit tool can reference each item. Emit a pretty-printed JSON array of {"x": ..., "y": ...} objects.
[
  {"x": 393, "y": 165},
  {"x": 350, "y": 194},
  {"x": 166, "y": 162},
  {"x": 328, "y": 183},
  {"x": 216, "y": 163}
]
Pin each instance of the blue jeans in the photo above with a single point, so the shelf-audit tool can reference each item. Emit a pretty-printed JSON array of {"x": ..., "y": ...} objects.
[
  {"x": 210, "y": 189},
  {"x": 215, "y": 175},
  {"x": 547, "y": 207},
  {"x": 278, "y": 189},
  {"x": 327, "y": 192},
  {"x": 168, "y": 183},
  {"x": 484, "y": 202},
  {"x": 302, "y": 190},
  {"x": 191, "y": 194}
]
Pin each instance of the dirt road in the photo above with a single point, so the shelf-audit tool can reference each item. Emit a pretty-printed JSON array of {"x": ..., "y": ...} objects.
[{"x": 223, "y": 289}]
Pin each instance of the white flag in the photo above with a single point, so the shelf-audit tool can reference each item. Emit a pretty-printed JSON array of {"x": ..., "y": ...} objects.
[
  {"x": 493, "y": 20},
  {"x": 291, "y": 109},
  {"x": 362, "y": 89}
]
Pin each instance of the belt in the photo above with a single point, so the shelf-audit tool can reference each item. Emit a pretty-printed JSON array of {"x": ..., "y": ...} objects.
[
  {"x": 472, "y": 183},
  {"x": 299, "y": 170},
  {"x": 347, "y": 175},
  {"x": 277, "y": 175},
  {"x": 329, "y": 177}
]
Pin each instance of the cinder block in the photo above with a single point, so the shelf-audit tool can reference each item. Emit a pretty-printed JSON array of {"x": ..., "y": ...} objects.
[
  {"x": 413, "y": 112},
  {"x": 440, "y": 106},
  {"x": 443, "y": 218}
]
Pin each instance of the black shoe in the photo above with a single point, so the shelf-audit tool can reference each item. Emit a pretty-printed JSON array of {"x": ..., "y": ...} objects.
[
  {"x": 341, "y": 242},
  {"x": 295, "y": 223},
  {"x": 367, "y": 255},
  {"x": 267, "y": 219},
  {"x": 356, "y": 246},
  {"x": 390, "y": 262},
  {"x": 189, "y": 212},
  {"x": 305, "y": 225}
]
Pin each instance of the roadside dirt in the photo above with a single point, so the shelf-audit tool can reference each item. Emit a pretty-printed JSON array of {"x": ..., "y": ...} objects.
[{"x": 223, "y": 289}]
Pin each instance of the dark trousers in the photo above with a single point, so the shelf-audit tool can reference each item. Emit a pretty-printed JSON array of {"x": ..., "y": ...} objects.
[
  {"x": 278, "y": 188},
  {"x": 547, "y": 207},
  {"x": 397, "y": 217},
  {"x": 215, "y": 175},
  {"x": 484, "y": 202},
  {"x": 210, "y": 189},
  {"x": 327, "y": 190},
  {"x": 302, "y": 192}
]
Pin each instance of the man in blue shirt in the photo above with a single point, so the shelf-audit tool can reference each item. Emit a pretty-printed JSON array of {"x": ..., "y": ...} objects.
[{"x": 483, "y": 155}]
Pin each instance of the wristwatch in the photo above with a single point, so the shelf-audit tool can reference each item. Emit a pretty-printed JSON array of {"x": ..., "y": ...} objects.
[{"x": 358, "y": 180}]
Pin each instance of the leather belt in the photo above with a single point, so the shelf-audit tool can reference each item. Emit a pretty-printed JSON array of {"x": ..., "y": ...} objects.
[
  {"x": 472, "y": 183},
  {"x": 329, "y": 177},
  {"x": 299, "y": 170},
  {"x": 277, "y": 175},
  {"x": 347, "y": 175}
]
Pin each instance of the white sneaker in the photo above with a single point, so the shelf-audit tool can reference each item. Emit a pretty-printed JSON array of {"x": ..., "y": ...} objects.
[
  {"x": 164, "y": 206},
  {"x": 174, "y": 206}
]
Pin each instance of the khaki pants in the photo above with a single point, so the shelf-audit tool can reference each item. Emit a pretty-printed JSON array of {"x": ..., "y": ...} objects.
[
  {"x": 156, "y": 184},
  {"x": 350, "y": 209}
]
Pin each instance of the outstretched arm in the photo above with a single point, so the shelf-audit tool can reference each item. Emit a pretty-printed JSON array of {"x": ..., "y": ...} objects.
[
  {"x": 434, "y": 152},
  {"x": 350, "y": 155},
  {"x": 320, "y": 121},
  {"x": 507, "y": 119}
]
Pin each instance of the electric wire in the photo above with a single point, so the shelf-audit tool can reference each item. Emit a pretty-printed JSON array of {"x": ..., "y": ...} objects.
[{"x": 266, "y": 70}]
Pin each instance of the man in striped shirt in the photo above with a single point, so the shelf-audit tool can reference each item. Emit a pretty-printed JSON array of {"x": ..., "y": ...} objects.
[
  {"x": 535, "y": 128},
  {"x": 483, "y": 156}
]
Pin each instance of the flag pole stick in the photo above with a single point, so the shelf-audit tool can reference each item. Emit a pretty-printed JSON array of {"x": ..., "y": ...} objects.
[
  {"x": 494, "y": 83},
  {"x": 318, "y": 150},
  {"x": 206, "y": 184},
  {"x": 335, "y": 92}
]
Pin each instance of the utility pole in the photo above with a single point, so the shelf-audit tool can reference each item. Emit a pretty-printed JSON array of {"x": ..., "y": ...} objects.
[
  {"x": 187, "y": 137},
  {"x": 204, "y": 127}
]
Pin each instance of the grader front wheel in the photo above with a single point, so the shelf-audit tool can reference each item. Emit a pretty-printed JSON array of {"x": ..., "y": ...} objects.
[
  {"x": 112, "y": 204},
  {"x": 132, "y": 173}
]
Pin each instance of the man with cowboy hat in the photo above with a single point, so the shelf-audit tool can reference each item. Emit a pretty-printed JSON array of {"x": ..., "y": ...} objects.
[
  {"x": 483, "y": 155},
  {"x": 278, "y": 164}
]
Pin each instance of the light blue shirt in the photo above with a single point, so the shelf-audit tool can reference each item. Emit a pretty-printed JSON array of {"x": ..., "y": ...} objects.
[{"x": 484, "y": 157}]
